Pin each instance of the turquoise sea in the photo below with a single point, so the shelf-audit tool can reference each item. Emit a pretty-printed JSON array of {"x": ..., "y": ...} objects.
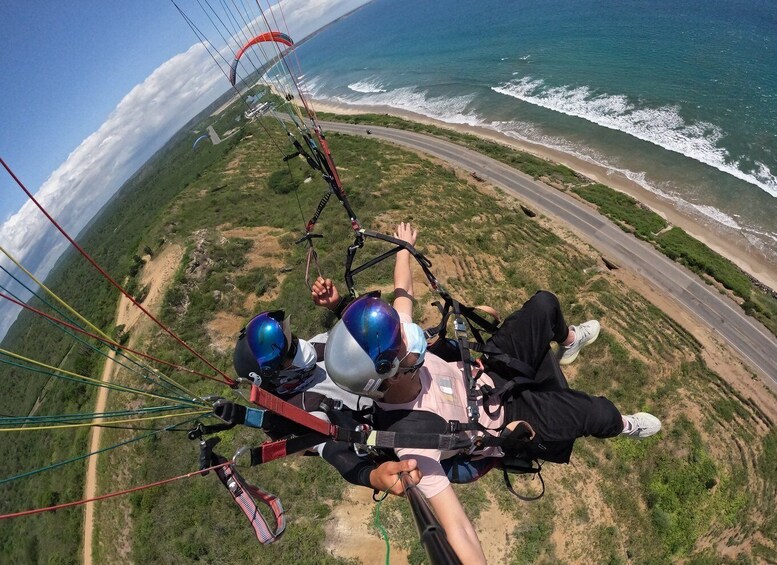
[{"x": 678, "y": 95}]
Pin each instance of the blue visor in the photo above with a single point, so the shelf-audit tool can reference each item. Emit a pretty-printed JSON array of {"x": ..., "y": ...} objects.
[
  {"x": 375, "y": 327},
  {"x": 267, "y": 339}
]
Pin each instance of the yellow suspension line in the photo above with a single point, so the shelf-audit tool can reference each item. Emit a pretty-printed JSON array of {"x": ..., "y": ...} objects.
[
  {"x": 97, "y": 422},
  {"x": 90, "y": 380},
  {"x": 87, "y": 322}
]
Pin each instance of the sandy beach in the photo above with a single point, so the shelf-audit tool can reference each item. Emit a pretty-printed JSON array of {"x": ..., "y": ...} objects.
[{"x": 730, "y": 244}]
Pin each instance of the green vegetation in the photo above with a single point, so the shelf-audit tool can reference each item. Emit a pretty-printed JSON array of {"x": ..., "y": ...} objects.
[
  {"x": 234, "y": 209},
  {"x": 629, "y": 214},
  {"x": 626, "y": 212},
  {"x": 113, "y": 240},
  {"x": 258, "y": 280},
  {"x": 681, "y": 247}
]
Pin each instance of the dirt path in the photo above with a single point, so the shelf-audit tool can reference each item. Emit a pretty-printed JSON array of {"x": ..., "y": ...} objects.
[
  {"x": 158, "y": 273},
  {"x": 90, "y": 487}
]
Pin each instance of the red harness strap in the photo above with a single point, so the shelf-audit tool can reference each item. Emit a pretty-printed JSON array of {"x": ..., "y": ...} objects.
[
  {"x": 264, "y": 399},
  {"x": 247, "y": 496}
]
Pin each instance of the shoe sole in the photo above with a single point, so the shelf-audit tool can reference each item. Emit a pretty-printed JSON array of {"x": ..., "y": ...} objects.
[{"x": 572, "y": 358}]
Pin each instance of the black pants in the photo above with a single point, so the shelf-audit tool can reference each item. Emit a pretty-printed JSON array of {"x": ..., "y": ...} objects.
[{"x": 558, "y": 414}]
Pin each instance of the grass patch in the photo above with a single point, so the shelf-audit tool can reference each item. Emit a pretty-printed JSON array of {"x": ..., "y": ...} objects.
[{"x": 629, "y": 214}]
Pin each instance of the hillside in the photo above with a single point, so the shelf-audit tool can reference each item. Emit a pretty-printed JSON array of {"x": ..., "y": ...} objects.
[{"x": 703, "y": 490}]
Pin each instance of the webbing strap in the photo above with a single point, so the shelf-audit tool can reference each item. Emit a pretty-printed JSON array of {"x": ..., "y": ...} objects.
[
  {"x": 399, "y": 245},
  {"x": 477, "y": 323},
  {"x": 442, "y": 442},
  {"x": 390, "y": 440},
  {"x": 271, "y": 450},
  {"x": 530, "y": 469},
  {"x": 264, "y": 399},
  {"x": 462, "y": 337},
  {"x": 246, "y": 496},
  {"x": 522, "y": 372}
]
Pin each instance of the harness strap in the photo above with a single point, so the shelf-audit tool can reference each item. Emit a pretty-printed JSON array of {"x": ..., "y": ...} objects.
[
  {"x": 462, "y": 337},
  {"x": 477, "y": 324},
  {"x": 442, "y": 442},
  {"x": 264, "y": 399},
  {"x": 494, "y": 354},
  {"x": 244, "y": 494},
  {"x": 529, "y": 469},
  {"x": 522, "y": 373},
  {"x": 247, "y": 496},
  {"x": 399, "y": 245},
  {"x": 373, "y": 438},
  {"x": 271, "y": 450}
]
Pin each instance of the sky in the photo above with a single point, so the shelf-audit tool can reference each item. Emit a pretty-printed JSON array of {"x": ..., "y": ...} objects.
[{"x": 90, "y": 90}]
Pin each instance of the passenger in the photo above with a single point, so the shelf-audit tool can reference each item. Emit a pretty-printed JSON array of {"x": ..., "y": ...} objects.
[{"x": 424, "y": 391}]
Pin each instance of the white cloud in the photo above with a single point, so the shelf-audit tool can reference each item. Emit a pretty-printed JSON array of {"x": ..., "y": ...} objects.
[
  {"x": 306, "y": 16},
  {"x": 140, "y": 125}
]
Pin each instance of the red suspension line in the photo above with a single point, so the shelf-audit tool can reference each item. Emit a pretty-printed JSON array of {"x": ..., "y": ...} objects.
[
  {"x": 111, "y": 494},
  {"x": 169, "y": 332},
  {"x": 104, "y": 340}
]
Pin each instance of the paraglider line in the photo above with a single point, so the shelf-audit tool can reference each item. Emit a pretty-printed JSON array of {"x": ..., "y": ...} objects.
[
  {"x": 93, "y": 424},
  {"x": 112, "y": 494},
  {"x": 226, "y": 379},
  {"x": 69, "y": 376},
  {"x": 139, "y": 367},
  {"x": 105, "y": 340},
  {"x": 86, "y": 456}
]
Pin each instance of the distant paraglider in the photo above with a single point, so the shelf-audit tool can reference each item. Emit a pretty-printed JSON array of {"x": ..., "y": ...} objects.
[
  {"x": 275, "y": 36},
  {"x": 196, "y": 141}
]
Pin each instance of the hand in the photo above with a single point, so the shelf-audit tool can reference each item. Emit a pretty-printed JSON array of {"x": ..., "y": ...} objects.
[
  {"x": 520, "y": 430},
  {"x": 406, "y": 233},
  {"x": 325, "y": 293},
  {"x": 386, "y": 475}
]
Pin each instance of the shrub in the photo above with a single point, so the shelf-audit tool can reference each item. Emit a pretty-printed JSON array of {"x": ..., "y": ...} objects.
[{"x": 282, "y": 182}]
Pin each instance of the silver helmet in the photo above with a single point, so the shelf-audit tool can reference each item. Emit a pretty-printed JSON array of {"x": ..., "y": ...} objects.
[{"x": 363, "y": 347}]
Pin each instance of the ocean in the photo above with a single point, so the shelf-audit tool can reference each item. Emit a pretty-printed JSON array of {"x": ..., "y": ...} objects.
[{"x": 680, "y": 96}]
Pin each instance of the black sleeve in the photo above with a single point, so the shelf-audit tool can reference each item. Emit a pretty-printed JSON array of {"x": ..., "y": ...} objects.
[
  {"x": 354, "y": 469},
  {"x": 344, "y": 301}
]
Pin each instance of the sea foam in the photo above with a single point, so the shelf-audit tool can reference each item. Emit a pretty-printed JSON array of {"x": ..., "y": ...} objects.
[
  {"x": 368, "y": 86},
  {"x": 455, "y": 110},
  {"x": 447, "y": 109},
  {"x": 662, "y": 126}
]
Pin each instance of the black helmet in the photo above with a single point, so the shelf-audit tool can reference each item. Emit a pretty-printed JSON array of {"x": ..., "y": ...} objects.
[{"x": 263, "y": 345}]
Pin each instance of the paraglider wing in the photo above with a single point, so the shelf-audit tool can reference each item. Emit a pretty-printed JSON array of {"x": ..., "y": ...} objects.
[
  {"x": 196, "y": 141},
  {"x": 275, "y": 36}
]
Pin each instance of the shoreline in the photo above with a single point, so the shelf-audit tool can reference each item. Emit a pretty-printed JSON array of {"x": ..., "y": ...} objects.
[{"x": 736, "y": 249}]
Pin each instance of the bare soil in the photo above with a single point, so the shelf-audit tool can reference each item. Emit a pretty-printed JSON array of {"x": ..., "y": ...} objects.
[
  {"x": 158, "y": 272},
  {"x": 347, "y": 533}
]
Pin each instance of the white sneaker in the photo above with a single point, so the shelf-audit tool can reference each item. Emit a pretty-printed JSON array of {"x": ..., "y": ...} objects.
[
  {"x": 641, "y": 425},
  {"x": 585, "y": 334}
]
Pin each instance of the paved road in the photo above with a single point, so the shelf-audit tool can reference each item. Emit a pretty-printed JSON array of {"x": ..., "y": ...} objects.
[{"x": 754, "y": 343}]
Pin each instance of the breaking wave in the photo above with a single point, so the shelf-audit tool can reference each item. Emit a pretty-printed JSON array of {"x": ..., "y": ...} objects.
[{"x": 663, "y": 126}]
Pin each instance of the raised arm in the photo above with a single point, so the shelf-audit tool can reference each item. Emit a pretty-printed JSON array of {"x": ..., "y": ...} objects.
[{"x": 403, "y": 276}]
